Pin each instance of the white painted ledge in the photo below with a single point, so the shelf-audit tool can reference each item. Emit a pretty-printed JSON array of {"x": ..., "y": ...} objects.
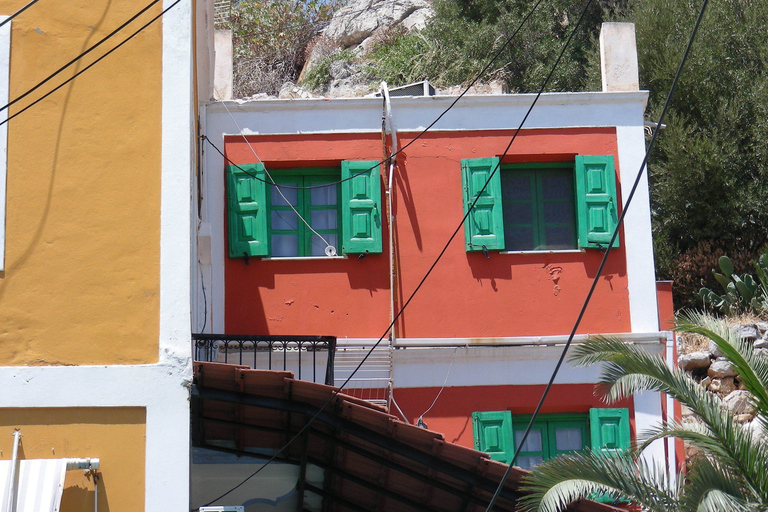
[{"x": 633, "y": 337}]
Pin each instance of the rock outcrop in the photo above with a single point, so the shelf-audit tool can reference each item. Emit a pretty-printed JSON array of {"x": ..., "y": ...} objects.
[{"x": 359, "y": 20}]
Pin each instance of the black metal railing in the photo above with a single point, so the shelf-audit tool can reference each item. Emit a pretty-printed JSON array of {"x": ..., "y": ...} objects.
[{"x": 268, "y": 352}]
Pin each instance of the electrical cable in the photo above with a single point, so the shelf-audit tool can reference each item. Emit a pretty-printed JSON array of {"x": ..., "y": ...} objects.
[
  {"x": 83, "y": 54},
  {"x": 627, "y": 203},
  {"x": 336, "y": 391},
  {"x": 421, "y": 133},
  {"x": 420, "y": 421},
  {"x": 9, "y": 18},
  {"x": 330, "y": 250},
  {"x": 89, "y": 66}
]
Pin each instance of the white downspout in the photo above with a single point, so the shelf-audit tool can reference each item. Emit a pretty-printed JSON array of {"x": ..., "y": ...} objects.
[
  {"x": 670, "y": 416},
  {"x": 12, "y": 480},
  {"x": 392, "y": 262}
]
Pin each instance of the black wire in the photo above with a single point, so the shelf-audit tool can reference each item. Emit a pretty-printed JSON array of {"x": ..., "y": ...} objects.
[
  {"x": 419, "y": 135},
  {"x": 8, "y": 20},
  {"x": 89, "y": 66},
  {"x": 605, "y": 255},
  {"x": 83, "y": 54},
  {"x": 336, "y": 391}
]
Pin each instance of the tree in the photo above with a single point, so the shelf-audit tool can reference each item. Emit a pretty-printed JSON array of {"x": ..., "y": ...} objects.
[
  {"x": 709, "y": 170},
  {"x": 730, "y": 474},
  {"x": 270, "y": 39},
  {"x": 461, "y": 36}
]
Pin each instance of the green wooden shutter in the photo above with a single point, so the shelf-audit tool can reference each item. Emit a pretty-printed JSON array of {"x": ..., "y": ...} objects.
[
  {"x": 361, "y": 207},
  {"x": 596, "y": 198},
  {"x": 485, "y": 225},
  {"x": 609, "y": 434},
  {"x": 493, "y": 434},
  {"x": 247, "y": 210},
  {"x": 609, "y": 430}
]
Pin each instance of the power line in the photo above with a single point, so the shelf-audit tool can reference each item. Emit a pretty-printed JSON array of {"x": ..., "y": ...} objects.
[
  {"x": 9, "y": 18},
  {"x": 605, "y": 255},
  {"x": 421, "y": 133},
  {"x": 440, "y": 255},
  {"x": 89, "y": 66},
  {"x": 83, "y": 54}
]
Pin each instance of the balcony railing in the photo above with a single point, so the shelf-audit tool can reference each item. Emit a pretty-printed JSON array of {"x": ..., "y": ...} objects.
[{"x": 290, "y": 353}]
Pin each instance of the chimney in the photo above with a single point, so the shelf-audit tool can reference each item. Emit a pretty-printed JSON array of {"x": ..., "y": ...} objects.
[{"x": 618, "y": 57}]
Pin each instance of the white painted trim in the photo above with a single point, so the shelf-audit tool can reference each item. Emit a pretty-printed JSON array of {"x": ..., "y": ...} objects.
[
  {"x": 5, "y": 65},
  {"x": 648, "y": 415},
  {"x": 491, "y": 366},
  {"x": 168, "y": 441},
  {"x": 641, "y": 274},
  {"x": 645, "y": 337},
  {"x": 481, "y": 112},
  {"x": 670, "y": 405}
]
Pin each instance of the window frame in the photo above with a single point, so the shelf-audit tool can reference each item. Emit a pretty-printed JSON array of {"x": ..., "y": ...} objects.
[
  {"x": 596, "y": 203},
  {"x": 248, "y": 208},
  {"x": 537, "y": 171},
  {"x": 548, "y": 424},
  {"x": 302, "y": 177},
  {"x": 603, "y": 430}
]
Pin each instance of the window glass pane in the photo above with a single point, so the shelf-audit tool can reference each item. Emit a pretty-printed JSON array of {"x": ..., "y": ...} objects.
[
  {"x": 515, "y": 187},
  {"x": 518, "y": 239},
  {"x": 323, "y": 196},
  {"x": 558, "y": 212},
  {"x": 284, "y": 220},
  {"x": 568, "y": 439},
  {"x": 559, "y": 237},
  {"x": 324, "y": 219},
  {"x": 285, "y": 245},
  {"x": 529, "y": 462},
  {"x": 291, "y": 196},
  {"x": 318, "y": 246},
  {"x": 556, "y": 186},
  {"x": 518, "y": 213},
  {"x": 532, "y": 442}
]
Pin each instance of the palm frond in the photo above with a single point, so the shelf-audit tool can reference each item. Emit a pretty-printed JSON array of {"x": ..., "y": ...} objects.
[
  {"x": 562, "y": 480},
  {"x": 752, "y": 369},
  {"x": 712, "y": 487}
]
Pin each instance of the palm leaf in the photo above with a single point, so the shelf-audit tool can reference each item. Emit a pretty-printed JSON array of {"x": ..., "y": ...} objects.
[{"x": 567, "y": 478}]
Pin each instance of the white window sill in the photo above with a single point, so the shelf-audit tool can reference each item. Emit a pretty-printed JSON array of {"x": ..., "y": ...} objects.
[
  {"x": 558, "y": 251},
  {"x": 303, "y": 258}
]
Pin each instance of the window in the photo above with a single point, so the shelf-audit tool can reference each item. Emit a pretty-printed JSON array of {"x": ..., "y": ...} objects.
[
  {"x": 540, "y": 206},
  {"x": 318, "y": 205},
  {"x": 342, "y": 205},
  {"x": 498, "y": 433}
]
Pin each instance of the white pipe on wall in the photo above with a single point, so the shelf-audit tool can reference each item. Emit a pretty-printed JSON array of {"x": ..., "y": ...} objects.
[{"x": 12, "y": 480}]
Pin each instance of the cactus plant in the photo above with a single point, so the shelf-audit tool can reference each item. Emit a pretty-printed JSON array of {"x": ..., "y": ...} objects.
[{"x": 742, "y": 293}]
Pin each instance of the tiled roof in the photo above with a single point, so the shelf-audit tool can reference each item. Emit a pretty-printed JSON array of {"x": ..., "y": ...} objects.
[{"x": 372, "y": 461}]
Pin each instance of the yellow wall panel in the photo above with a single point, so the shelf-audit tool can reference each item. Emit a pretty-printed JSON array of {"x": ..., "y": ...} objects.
[
  {"x": 81, "y": 284},
  {"x": 114, "y": 435}
]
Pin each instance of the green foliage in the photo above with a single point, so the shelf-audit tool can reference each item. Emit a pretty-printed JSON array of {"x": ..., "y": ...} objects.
[
  {"x": 731, "y": 474},
  {"x": 709, "y": 171},
  {"x": 459, "y": 40},
  {"x": 270, "y": 38},
  {"x": 692, "y": 270},
  {"x": 742, "y": 292},
  {"x": 319, "y": 75}
]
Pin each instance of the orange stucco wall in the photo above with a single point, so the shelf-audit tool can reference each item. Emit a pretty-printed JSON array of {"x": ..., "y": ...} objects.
[
  {"x": 467, "y": 295},
  {"x": 83, "y": 189},
  {"x": 452, "y": 413},
  {"x": 116, "y": 436}
]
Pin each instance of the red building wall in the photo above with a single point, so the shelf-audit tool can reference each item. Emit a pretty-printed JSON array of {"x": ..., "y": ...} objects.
[
  {"x": 452, "y": 413},
  {"x": 467, "y": 295}
]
